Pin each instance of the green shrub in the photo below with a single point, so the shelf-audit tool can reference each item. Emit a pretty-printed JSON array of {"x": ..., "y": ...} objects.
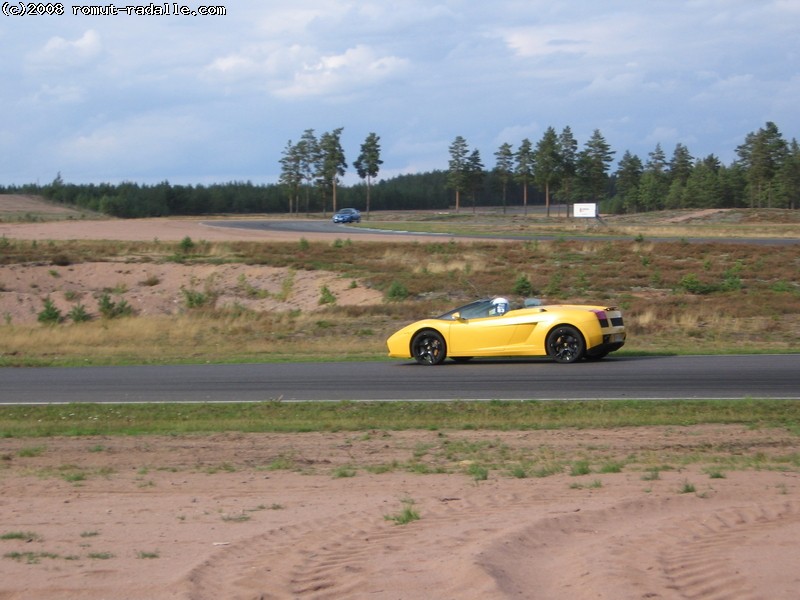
[
  {"x": 110, "y": 309},
  {"x": 553, "y": 289},
  {"x": 78, "y": 314},
  {"x": 691, "y": 283},
  {"x": 406, "y": 515},
  {"x": 580, "y": 467},
  {"x": 781, "y": 286},
  {"x": 49, "y": 315},
  {"x": 195, "y": 298},
  {"x": 523, "y": 286},
  {"x": 186, "y": 245},
  {"x": 397, "y": 291},
  {"x": 326, "y": 296}
]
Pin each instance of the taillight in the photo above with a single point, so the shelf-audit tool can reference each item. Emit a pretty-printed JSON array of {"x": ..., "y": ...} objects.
[{"x": 602, "y": 317}]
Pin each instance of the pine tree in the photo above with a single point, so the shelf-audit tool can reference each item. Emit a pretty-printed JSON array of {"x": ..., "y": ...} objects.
[
  {"x": 308, "y": 156},
  {"x": 547, "y": 164},
  {"x": 593, "y": 164},
  {"x": 788, "y": 178},
  {"x": 291, "y": 174},
  {"x": 368, "y": 163},
  {"x": 703, "y": 187},
  {"x": 680, "y": 168},
  {"x": 762, "y": 155},
  {"x": 568, "y": 149},
  {"x": 629, "y": 177},
  {"x": 504, "y": 167},
  {"x": 475, "y": 173},
  {"x": 332, "y": 163},
  {"x": 654, "y": 186},
  {"x": 523, "y": 170},
  {"x": 457, "y": 178}
]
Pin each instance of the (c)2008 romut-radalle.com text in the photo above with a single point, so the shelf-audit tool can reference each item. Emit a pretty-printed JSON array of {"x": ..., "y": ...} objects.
[{"x": 22, "y": 9}]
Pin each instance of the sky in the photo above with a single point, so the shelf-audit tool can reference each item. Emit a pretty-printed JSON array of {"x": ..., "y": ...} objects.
[{"x": 199, "y": 99}]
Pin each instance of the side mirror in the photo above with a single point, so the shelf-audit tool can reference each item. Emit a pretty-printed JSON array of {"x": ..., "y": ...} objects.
[{"x": 457, "y": 317}]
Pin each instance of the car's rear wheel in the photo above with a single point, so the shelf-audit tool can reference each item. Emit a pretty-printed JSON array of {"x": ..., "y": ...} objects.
[
  {"x": 565, "y": 344},
  {"x": 428, "y": 347}
]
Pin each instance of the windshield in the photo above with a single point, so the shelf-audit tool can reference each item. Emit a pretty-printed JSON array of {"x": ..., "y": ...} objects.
[{"x": 473, "y": 310}]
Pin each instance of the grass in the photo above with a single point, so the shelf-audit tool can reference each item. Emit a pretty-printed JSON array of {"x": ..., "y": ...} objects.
[
  {"x": 31, "y": 558},
  {"x": 454, "y": 437},
  {"x": 344, "y": 471},
  {"x": 31, "y": 451},
  {"x": 731, "y": 223},
  {"x": 44, "y": 421},
  {"x": 236, "y": 518},
  {"x": 406, "y": 515},
  {"x": 27, "y": 536}
]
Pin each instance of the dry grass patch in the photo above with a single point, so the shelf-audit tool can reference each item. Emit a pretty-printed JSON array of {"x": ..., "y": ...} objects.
[{"x": 233, "y": 300}]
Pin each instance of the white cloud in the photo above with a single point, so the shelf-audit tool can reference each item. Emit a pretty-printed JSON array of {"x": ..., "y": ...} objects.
[
  {"x": 356, "y": 68},
  {"x": 790, "y": 6},
  {"x": 662, "y": 135},
  {"x": 131, "y": 144},
  {"x": 291, "y": 20},
  {"x": 616, "y": 84},
  {"x": 59, "y": 94},
  {"x": 265, "y": 62},
  {"x": 515, "y": 134},
  {"x": 60, "y": 53}
]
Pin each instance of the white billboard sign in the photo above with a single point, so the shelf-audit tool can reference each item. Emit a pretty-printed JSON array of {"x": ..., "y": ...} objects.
[{"x": 584, "y": 210}]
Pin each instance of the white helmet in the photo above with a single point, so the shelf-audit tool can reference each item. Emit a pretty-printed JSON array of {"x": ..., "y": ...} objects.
[{"x": 499, "y": 306}]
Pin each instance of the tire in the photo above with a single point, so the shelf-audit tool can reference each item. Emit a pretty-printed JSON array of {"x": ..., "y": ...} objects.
[
  {"x": 565, "y": 344},
  {"x": 428, "y": 347}
]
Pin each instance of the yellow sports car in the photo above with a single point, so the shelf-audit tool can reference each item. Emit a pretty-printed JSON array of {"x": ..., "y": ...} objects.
[{"x": 491, "y": 327}]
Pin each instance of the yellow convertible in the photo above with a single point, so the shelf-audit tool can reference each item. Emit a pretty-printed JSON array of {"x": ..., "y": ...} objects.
[{"x": 491, "y": 327}]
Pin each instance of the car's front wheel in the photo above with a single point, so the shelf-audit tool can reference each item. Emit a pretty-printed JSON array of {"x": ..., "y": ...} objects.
[
  {"x": 428, "y": 347},
  {"x": 565, "y": 344}
]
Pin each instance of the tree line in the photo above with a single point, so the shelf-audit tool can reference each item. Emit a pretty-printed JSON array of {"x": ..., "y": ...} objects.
[{"x": 765, "y": 174}]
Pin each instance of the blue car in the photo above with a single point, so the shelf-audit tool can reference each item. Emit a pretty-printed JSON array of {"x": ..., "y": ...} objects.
[{"x": 347, "y": 215}]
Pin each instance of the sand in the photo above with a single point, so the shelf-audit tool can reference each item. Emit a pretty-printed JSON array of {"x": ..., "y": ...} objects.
[{"x": 210, "y": 517}]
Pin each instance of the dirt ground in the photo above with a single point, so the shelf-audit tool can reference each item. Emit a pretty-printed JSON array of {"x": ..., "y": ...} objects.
[
  {"x": 209, "y": 517},
  {"x": 159, "y": 288}
]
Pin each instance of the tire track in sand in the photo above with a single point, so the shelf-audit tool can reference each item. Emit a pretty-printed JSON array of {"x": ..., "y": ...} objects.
[
  {"x": 516, "y": 545},
  {"x": 364, "y": 555},
  {"x": 675, "y": 547}
]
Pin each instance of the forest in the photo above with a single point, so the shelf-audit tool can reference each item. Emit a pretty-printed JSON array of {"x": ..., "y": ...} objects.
[{"x": 765, "y": 174}]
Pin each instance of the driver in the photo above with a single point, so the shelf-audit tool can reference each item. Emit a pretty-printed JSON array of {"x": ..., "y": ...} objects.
[{"x": 499, "y": 307}]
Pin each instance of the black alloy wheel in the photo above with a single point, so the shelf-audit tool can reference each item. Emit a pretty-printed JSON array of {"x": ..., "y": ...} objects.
[
  {"x": 565, "y": 344},
  {"x": 428, "y": 347}
]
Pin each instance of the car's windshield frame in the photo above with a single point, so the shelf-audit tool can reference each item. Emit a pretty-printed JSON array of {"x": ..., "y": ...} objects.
[{"x": 473, "y": 310}]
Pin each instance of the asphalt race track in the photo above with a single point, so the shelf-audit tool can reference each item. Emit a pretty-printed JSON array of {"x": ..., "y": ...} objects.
[
  {"x": 672, "y": 377},
  {"x": 325, "y": 226}
]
